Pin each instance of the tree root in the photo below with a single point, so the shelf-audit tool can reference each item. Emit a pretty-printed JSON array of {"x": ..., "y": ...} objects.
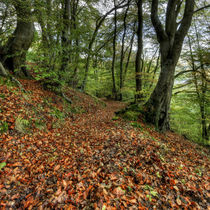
[
  {"x": 5, "y": 73},
  {"x": 66, "y": 98}
]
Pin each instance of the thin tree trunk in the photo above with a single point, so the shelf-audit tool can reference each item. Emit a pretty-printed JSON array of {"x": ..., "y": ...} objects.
[
  {"x": 98, "y": 25},
  {"x": 201, "y": 94},
  {"x": 155, "y": 70},
  {"x": 114, "y": 91},
  {"x": 129, "y": 55},
  {"x": 139, "y": 95},
  {"x": 122, "y": 53}
]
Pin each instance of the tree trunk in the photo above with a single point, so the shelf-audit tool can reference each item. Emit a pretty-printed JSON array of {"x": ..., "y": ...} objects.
[
  {"x": 171, "y": 41},
  {"x": 158, "y": 105},
  {"x": 66, "y": 44},
  {"x": 114, "y": 91},
  {"x": 14, "y": 52},
  {"x": 123, "y": 53},
  {"x": 138, "y": 95},
  {"x": 129, "y": 55}
]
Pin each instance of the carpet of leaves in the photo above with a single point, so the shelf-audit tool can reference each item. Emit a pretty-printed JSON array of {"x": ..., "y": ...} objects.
[{"x": 89, "y": 160}]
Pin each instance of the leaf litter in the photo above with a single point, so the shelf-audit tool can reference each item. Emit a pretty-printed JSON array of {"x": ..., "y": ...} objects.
[{"x": 79, "y": 158}]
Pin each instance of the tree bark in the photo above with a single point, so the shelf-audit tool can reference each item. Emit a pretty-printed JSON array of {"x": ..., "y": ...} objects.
[
  {"x": 114, "y": 91},
  {"x": 14, "y": 52},
  {"x": 138, "y": 95},
  {"x": 122, "y": 53},
  {"x": 158, "y": 105},
  {"x": 66, "y": 44},
  {"x": 171, "y": 41}
]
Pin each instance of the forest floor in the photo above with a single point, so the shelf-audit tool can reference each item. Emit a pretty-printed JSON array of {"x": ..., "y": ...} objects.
[{"x": 54, "y": 155}]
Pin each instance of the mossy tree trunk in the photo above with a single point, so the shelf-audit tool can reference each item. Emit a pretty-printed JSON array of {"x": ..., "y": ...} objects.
[{"x": 14, "y": 52}]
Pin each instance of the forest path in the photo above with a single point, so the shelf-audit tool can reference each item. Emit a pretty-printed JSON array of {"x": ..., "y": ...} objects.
[{"x": 89, "y": 161}]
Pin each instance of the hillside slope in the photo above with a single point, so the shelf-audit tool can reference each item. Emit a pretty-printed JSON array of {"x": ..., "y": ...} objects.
[{"x": 54, "y": 155}]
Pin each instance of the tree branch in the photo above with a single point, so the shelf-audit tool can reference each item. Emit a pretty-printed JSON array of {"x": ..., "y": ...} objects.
[
  {"x": 171, "y": 18},
  {"x": 161, "y": 34},
  {"x": 204, "y": 7},
  {"x": 187, "y": 71},
  {"x": 186, "y": 20},
  {"x": 181, "y": 86}
]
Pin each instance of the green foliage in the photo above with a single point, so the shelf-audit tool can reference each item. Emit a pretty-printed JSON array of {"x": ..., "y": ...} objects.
[
  {"x": 136, "y": 125},
  {"x": 2, "y": 96},
  {"x": 3, "y": 126},
  {"x": 158, "y": 174},
  {"x": 151, "y": 191},
  {"x": 22, "y": 125},
  {"x": 6, "y": 81},
  {"x": 130, "y": 115},
  {"x": 115, "y": 118},
  {"x": 40, "y": 124},
  {"x": 2, "y": 165},
  {"x": 185, "y": 119},
  {"x": 57, "y": 113}
]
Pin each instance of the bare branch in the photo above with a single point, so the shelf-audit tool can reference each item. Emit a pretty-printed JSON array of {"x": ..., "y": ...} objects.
[{"x": 204, "y": 7}]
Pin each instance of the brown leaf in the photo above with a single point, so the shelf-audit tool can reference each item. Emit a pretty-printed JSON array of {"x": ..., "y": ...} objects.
[
  {"x": 17, "y": 164},
  {"x": 65, "y": 184},
  {"x": 57, "y": 167},
  {"x": 119, "y": 191},
  {"x": 176, "y": 188},
  {"x": 133, "y": 201},
  {"x": 113, "y": 177}
]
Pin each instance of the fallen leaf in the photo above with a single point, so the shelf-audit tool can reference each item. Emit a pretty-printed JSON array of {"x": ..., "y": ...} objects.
[
  {"x": 119, "y": 191},
  {"x": 57, "y": 167}
]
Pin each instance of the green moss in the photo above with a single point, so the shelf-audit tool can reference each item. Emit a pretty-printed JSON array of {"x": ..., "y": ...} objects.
[
  {"x": 130, "y": 115},
  {"x": 115, "y": 118},
  {"x": 136, "y": 125},
  {"x": 131, "y": 112}
]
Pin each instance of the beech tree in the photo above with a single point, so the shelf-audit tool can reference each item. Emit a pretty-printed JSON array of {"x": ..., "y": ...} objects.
[
  {"x": 13, "y": 53},
  {"x": 170, "y": 36}
]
